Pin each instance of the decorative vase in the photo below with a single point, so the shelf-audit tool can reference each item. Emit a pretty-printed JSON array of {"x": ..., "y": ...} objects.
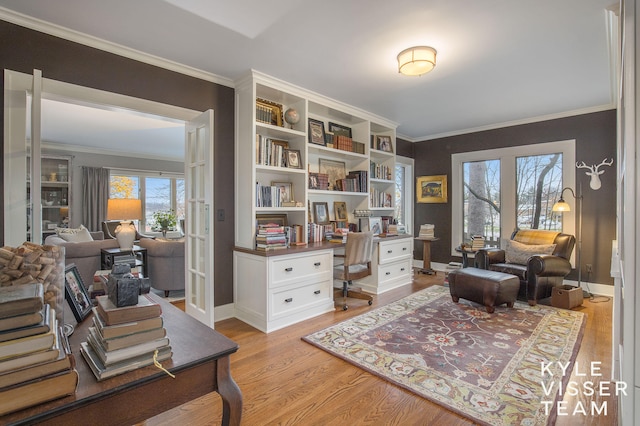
[{"x": 125, "y": 234}]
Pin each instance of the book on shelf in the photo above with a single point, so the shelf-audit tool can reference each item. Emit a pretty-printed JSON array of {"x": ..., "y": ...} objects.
[
  {"x": 29, "y": 344},
  {"x": 128, "y": 340},
  {"x": 103, "y": 372},
  {"x": 64, "y": 361},
  {"x": 29, "y": 330},
  {"x": 146, "y": 308},
  {"x": 111, "y": 357},
  {"x": 37, "y": 391},
  {"x": 23, "y": 320},
  {"x": 124, "y": 329},
  {"x": 21, "y": 299}
]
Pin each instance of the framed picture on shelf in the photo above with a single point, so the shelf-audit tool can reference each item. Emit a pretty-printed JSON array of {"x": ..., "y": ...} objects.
[
  {"x": 316, "y": 132},
  {"x": 340, "y": 209},
  {"x": 375, "y": 225},
  {"x": 431, "y": 189},
  {"x": 321, "y": 213},
  {"x": 266, "y": 218},
  {"x": 292, "y": 158},
  {"x": 314, "y": 182},
  {"x": 268, "y": 112},
  {"x": 335, "y": 170},
  {"x": 76, "y": 293},
  {"x": 286, "y": 191},
  {"x": 383, "y": 143},
  {"x": 340, "y": 130}
]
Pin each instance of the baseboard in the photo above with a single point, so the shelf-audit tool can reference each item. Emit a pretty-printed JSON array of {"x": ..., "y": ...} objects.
[{"x": 224, "y": 312}]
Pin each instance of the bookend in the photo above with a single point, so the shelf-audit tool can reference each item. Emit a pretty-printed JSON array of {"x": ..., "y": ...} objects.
[{"x": 123, "y": 288}]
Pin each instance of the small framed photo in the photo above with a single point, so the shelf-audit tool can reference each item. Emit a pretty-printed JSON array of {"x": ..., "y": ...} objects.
[
  {"x": 268, "y": 112},
  {"x": 340, "y": 209},
  {"x": 314, "y": 182},
  {"x": 316, "y": 132},
  {"x": 286, "y": 191},
  {"x": 375, "y": 225},
  {"x": 292, "y": 158},
  {"x": 321, "y": 213},
  {"x": 431, "y": 189},
  {"x": 76, "y": 293},
  {"x": 340, "y": 130},
  {"x": 383, "y": 143}
]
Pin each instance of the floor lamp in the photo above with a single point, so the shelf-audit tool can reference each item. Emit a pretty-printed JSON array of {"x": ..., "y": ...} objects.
[{"x": 561, "y": 206}]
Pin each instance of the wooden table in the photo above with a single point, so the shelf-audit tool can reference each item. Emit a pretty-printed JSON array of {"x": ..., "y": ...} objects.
[
  {"x": 426, "y": 255},
  {"x": 200, "y": 363}
]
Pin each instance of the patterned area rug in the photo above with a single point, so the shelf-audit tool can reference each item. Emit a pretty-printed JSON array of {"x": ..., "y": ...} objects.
[{"x": 486, "y": 367}]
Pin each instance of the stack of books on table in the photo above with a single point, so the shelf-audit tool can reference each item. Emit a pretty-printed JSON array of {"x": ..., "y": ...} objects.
[
  {"x": 126, "y": 338},
  {"x": 271, "y": 236},
  {"x": 36, "y": 364},
  {"x": 427, "y": 231},
  {"x": 477, "y": 242},
  {"x": 340, "y": 236}
]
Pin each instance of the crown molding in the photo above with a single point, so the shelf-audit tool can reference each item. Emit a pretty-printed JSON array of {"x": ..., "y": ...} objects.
[
  {"x": 537, "y": 119},
  {"x": 107, "y": 46},
  {"x": 61, "y": 147}
]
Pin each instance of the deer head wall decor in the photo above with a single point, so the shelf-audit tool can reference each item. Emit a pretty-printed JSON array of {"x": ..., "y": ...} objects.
[{"x": 595, "y": 183}]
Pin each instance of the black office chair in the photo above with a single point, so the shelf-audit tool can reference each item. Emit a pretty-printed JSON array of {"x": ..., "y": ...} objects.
[{"x": 357, "y": 265}]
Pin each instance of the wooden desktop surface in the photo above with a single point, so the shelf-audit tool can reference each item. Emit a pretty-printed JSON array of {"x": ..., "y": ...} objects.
[{"x": 200, "y": 363}]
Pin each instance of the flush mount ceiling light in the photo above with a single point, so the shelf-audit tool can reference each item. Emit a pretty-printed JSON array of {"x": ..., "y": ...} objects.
[{"x": 416, "y": 60}]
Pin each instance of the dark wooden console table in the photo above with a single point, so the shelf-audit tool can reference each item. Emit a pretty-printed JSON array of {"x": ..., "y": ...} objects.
[{"x": 200, "y": 363}]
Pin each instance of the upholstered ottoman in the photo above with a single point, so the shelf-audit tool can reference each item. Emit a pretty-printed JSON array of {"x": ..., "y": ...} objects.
[{"x": 490, "y": 288}]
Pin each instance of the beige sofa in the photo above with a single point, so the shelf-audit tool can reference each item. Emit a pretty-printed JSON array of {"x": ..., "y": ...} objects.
[
  {"x": 166, "y": 264},
  {"x": 85, "y": 255}
]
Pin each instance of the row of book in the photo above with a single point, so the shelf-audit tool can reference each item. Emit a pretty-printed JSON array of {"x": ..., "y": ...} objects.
[
  {"x": 317, "y": 232},
  {"x": 270, "y": 196},
  {"x": 271, "y": 236},
  {"x": 36, "y": 364},
  {"x": 380, "y": 171},
  {"x": 380, "y": 198},
  {"x": 355, "y": 181},
  {"x": 427, "y": 231},
  {"x": 126, "y": 338},
  {"x": 344, "y": 143},
  {"x": 270, "y": 152}
]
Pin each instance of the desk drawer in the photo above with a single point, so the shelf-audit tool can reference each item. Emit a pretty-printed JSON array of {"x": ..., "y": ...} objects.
[
  {"x": 290, "y": 300},
  {"x": 390, "y": 251},
  {"x": 293, "y": 269},
  {"x": 394, "y": 271}
]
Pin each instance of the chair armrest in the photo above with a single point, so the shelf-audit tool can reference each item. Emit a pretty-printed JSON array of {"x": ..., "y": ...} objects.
[
  {"x": 547, "y": 265},
  {"x": 486, "y": 257}
]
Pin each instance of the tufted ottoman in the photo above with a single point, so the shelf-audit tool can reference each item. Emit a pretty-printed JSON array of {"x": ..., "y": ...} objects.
[{"x": 490, "y": 288}]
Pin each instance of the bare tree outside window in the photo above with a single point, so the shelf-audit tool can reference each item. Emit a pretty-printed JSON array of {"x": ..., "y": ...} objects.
[
  {"x": 482, "y": 200},
  {"x": 539, "y": 182},
  {"x": 400, "y": 192}
]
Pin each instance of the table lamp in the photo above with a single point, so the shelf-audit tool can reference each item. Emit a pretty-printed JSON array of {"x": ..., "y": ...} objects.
[{"x": 125, "y": 210}]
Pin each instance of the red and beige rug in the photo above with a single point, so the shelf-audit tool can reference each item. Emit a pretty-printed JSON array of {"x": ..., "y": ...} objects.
[{"x": 487, "y": 367}]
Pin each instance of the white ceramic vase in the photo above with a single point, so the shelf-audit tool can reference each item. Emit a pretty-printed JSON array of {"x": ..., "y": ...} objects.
[{"x": 126, "y": 234}]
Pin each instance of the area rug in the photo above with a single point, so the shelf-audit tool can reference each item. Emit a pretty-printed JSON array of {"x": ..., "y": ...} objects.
[{"x": 487, "y": 367}]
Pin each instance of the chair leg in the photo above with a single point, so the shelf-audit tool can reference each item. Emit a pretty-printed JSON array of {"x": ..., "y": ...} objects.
[
  {"x": 345, "y": 293},
  {"x": 166, "y": 293}
]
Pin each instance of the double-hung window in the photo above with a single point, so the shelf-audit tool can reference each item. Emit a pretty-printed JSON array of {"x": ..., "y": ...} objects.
[{"x": 499, "y": 190}]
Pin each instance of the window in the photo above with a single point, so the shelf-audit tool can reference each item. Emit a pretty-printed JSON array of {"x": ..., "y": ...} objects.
[
  {"x": 404, "y": 192},
  {"x": 497, "y": 191},
  {"x": 158, "y": 193}
]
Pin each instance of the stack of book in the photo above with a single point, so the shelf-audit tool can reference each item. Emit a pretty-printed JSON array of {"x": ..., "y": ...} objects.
[
  {"x": 271, "y": 236},
  {"x": 126, "y": 338},
  {"x": 427, "y": 231},
  {"x": 477, "y": 242},
  {"x": 340, "y": 235},
  {"x": 36, "y": 364}
]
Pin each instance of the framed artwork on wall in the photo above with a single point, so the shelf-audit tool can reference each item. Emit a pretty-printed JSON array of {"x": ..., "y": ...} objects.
[{"x": 431, "y": 189}]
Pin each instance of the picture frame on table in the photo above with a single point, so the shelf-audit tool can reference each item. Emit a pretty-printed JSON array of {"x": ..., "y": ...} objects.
[
  {"x": 76, "y": 293},
  {"x": 383, "y": 143},
  {"x": 335, "y": 170},
  {"x": 340, "y": 210},
  {"x": 431, "y": 189},
  {"x": 375, "y": 225},
  {"x": 340, "y": 130},
  {"x": 269, "y": 112},
  {"x": 285, "y": 190},
  {"x": 292, "y": 158},
  {"x": 316, "y": 132},
  {"x": 321, "y": 213}
]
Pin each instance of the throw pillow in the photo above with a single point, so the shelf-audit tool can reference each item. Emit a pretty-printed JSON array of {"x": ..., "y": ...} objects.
[
  {"x": 520, "y": 253},
  {"x": 74, "y": 235}
]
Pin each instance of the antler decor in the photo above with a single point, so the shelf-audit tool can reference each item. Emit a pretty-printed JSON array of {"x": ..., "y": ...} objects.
[{"x": 595, "y": 183}]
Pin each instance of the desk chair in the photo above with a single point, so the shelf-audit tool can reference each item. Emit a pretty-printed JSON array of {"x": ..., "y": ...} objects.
[{"x": 357, "y": 265}]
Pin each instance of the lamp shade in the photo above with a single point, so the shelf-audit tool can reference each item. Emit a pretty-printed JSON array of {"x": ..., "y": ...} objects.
[
  {"x": 561, "y": 206},
  {"x": 416, "y": 60},
  {"x": 124, "y": 209}
]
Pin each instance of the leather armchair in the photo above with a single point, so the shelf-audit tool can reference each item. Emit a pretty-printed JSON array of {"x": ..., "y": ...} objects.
[{"x": 540, "y": 274}]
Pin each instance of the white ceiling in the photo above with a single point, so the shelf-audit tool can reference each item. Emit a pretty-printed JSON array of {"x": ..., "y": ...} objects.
[{"x": 499, "y": 61}]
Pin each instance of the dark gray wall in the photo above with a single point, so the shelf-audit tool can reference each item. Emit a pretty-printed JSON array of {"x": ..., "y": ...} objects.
[
  {"x": 595, "y": 136},
  {"x": 24, "y": 50}
]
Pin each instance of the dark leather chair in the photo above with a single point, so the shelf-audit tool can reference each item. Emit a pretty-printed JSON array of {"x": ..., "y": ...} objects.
[
  {"x": 109, "y": 230},
  {"x": 357, "y": 265},
  {"x": 542, "y": 272}
]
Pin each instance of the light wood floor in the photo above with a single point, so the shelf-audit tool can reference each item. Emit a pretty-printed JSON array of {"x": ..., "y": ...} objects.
[{"x": 287, "y": 381}]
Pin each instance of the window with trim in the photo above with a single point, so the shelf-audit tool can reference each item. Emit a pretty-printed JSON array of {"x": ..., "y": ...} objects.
[
  {"x": 497, "y": 191},
  {"x": 404, "y": 192},
  {"x": 157, "y": 192}
]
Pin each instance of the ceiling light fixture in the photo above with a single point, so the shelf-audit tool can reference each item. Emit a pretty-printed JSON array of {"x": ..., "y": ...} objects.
[{"x": 416, "y": 60}]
